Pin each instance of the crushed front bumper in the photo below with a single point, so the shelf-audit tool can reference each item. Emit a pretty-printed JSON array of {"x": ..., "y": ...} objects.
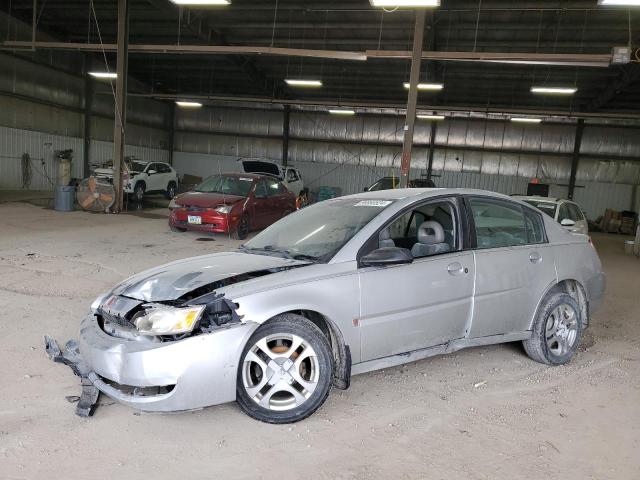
[{"x": 191, "y": 373}]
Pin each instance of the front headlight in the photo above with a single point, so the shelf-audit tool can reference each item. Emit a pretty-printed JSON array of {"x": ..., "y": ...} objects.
[
  {"x": 224, "y": 209},
  {"x": 166, "y": 320}
]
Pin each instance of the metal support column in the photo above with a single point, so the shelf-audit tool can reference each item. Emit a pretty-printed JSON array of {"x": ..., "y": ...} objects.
[
  {"x": 432, "y": 148},
  {"x": 407, "y": 143},
  {"x": 575, "y": 160},
  {"x": 285, "y": 135},
  {"x": 172, "y": 131},
  {"x": 121, "y": 101},
  {"x": 86, "y": 131}
]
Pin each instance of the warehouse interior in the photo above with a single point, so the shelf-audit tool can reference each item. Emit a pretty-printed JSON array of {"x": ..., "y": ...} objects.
[{"x": 481, "y": 94}]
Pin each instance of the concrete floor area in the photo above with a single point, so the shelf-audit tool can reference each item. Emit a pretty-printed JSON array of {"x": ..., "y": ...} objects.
[{"x": 483, "y": 413}]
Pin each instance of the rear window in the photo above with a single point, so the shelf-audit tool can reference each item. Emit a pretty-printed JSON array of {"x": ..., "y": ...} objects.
[{"x": 546, "y": 207}]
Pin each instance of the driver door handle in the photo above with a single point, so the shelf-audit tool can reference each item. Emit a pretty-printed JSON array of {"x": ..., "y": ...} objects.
[{"x": 455, "y": 268}]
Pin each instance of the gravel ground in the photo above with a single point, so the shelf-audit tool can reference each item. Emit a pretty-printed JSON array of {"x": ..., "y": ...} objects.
[{"x": 482, "y": 413}]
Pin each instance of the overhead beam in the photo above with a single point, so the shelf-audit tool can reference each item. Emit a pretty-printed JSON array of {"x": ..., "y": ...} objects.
[
  {"x": 120, "y": 120},
  {"x": 559, "y": 59},
  {"x": 412, "y": 100},
  {"x": 563, "y": 59}
]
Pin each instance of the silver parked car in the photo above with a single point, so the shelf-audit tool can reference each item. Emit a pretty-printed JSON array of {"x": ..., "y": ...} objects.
[
  {"x": 565, "y": 212},
  {"x": 345, "y": 286}
]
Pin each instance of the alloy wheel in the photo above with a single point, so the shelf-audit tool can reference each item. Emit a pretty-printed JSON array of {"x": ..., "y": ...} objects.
[
  {"x": 280, "y": 372},
  {"x": 561, "y": 330}
]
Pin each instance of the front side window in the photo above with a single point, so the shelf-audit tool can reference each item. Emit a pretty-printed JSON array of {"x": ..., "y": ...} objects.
[
  {"x": 575, "y": 212},
  {"x": 563, "y": 213},
  {"x": 426, "y": 230},
  {"x": 316, "y": 232},
  {"x": 292, "y": 175},
  {"x": 498, "y": 223}
]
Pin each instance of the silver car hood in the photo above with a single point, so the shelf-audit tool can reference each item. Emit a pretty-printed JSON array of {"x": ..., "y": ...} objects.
[{"x": 173, "y": 280}]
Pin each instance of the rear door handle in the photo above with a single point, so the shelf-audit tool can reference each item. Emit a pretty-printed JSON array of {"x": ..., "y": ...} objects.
[
  {"x": 535, "y": 257},
  {"x": 455, "y": 268}
]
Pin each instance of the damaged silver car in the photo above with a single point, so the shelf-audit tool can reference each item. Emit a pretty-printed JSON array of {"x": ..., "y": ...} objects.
[{"x": 339, "y": 288}]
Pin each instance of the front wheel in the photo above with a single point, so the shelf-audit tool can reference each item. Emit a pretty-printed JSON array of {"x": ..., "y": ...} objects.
[
  {"x": 138, "y": 192},
  {"x": 285, "y": 370},
  {"x": 242, "y": 230},
  {"x": 557, "y": 330}
]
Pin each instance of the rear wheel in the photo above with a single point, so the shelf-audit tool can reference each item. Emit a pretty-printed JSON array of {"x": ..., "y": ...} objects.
[
  {"x": 285, "y": 370},
  {"x": 242, "y": 230},
  {"x": 170, "y": 192},
  {"x": 557, "y": 330}
]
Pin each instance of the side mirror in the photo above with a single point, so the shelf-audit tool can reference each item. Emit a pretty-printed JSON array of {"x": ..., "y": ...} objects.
[
  {"x": 151, "y": 172},
  {"x": 386, "y": 256},
  {"x": 567, "y": 222}
]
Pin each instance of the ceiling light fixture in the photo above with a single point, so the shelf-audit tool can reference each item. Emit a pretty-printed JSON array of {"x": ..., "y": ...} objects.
[
  {"x": 201, "y": 2},
  {"x": 186, "y": 104},
  {"x": 405, "y": 3},
  {"x": 620, "y": 3},
  {"x": 430, "y": 117},
  {"x": 426, "y": 86},
  {"x": 103, "y": 75},
  {"x": 526, "y": 120},
  {"x": 554, "y": 90},
  {"x": 303, "y": 83},
  {"x": 342, "y": 112}
]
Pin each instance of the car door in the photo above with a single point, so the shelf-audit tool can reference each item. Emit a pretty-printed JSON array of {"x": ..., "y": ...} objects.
[
  {"x": 418, "y": 305},
  {"x": 153, "y": 177},
  {"x": 260, "y": 205},
  {"x": 511, "y": 265},
  {"x": 165, "y": 175}
]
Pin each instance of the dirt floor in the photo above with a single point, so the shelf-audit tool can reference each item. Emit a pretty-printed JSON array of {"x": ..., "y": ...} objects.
[{"x": 482, "y": 413}]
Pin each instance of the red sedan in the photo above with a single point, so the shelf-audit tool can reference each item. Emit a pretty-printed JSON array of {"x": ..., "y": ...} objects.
[{"x": 232, "y": 203}]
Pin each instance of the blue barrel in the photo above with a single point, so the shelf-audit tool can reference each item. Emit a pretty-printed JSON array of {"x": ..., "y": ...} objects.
[{"x": 65, "y": 198}]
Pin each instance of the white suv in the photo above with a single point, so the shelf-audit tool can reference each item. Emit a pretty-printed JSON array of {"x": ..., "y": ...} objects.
[
  {"x": 145, "y": 177},
  {"x": 565, "y": 212}
]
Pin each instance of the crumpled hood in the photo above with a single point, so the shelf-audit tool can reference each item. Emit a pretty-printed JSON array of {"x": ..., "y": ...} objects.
[{"x": 173, "y": 280}]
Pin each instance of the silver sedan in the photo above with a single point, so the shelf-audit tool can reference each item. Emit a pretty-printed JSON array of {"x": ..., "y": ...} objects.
[{"x": 339, "y": 288}]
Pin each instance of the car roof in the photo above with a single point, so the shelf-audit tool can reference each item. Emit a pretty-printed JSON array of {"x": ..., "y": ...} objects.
[
  {"x": 407, "y": 193},
  {"x": 537, "y": 198}
]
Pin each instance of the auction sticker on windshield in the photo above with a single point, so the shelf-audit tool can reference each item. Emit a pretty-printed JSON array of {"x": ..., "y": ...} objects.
[{"x": 373, "y": 203}]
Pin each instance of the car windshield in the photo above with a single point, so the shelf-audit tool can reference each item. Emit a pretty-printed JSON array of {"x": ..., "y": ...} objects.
[
  {"x": 317, "y": 232},
  {"x": 226, "y": 184},
  {"x": 547, "y": 207},
  {"x": 136, "y": 166}
]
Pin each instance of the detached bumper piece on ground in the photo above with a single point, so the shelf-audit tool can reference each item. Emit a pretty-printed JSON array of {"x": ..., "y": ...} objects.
[{"x": 71, "y": 357}]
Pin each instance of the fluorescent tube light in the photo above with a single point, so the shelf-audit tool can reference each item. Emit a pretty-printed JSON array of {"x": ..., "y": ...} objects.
[
  {"x": 430, "y": 117},
  {"x": 342, "y": 112},
  {"x": 405, "y": 3},
  {"x": 554, "y": 90},
  {"x": 526, "y": 120},
  {"x": 185, "y": 104},
  {"x": 303, "y": 83},
  {"x": 426, "y": 86},
  {"x": 625, "y": 3},
  {"x": 108, "y": 75},
  {"x": 201, "y": 2}
]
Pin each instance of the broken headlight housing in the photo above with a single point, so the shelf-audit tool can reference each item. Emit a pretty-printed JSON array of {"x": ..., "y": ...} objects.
[{"x": 159, "y": 319}]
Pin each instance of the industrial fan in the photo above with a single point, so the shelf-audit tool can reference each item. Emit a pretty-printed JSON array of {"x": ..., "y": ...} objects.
[{"x": 95, "y": 194}]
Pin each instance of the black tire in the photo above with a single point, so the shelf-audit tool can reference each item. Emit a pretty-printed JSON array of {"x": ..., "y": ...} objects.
[
  {"x": 138, "y": 191},
  {"x": 540, "y": 347},
  {"x": 283, "y": 325},
  {"x": 243, "y": 228},
  {"x": 178, "y": 229},
  {"x": 170, "y": 192}
]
